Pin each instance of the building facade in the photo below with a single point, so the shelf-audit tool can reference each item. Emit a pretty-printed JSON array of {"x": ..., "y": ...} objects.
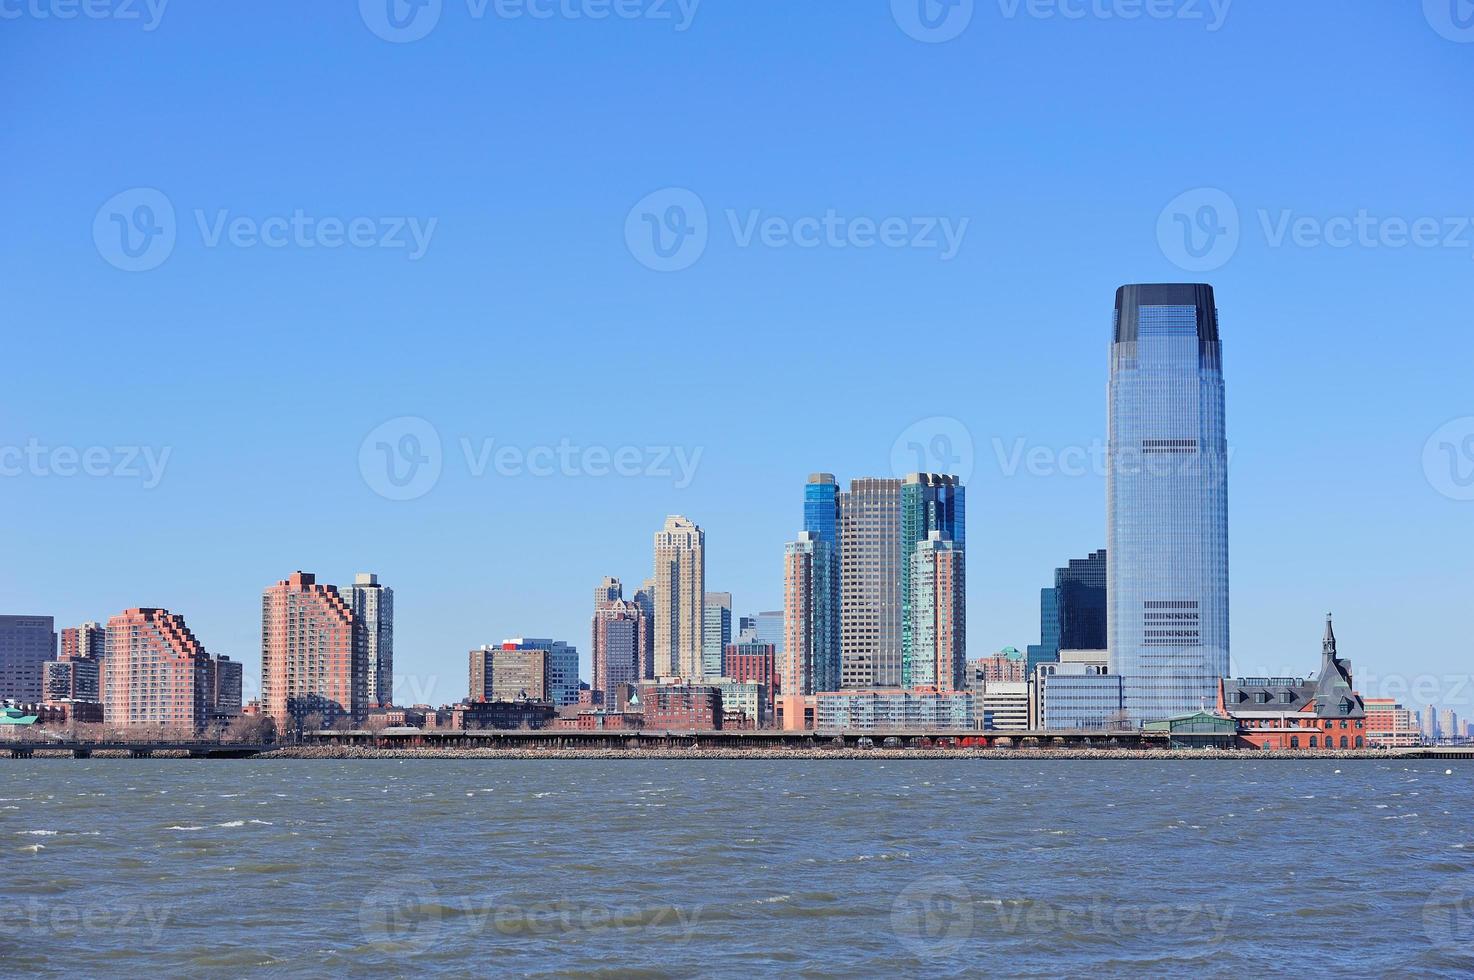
[
  {"x": 1167, "y": 501},
  {"x": 26, "y": 642},
  {"x": 810, "y": 658},
  {"x": 893, "y": 710},
  {"x": 870, "y": 584},
  {"x": 680, "y": 598},
  {"x": 931, "y": 503},
  {"x": 562, "y": 667},
  {"x": 87, "y": 640},
  {"x": 1285, "y": 714},
  {"x": 1391, "y": 726},
  {"x": 716, "y": 631},
  {"x": 308, "y": 660},
  {"x": 937, "y": 638},
  {"x": 228, "y": 687},
  {"x": 681, "y": 707},
  {"x": 620, "y": 634},
  {"x": 77, "y": 679},
  {"x": 752, "y": 661},
  {"x": 155, "y": 673},
  {"x": 372, "y": 605},
  {"x": 1079, "y": 697}
]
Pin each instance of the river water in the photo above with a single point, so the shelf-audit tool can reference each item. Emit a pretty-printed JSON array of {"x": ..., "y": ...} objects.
[{"x": 679, "y": 868}]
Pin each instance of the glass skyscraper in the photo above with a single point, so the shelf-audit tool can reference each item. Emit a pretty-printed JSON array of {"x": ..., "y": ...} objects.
[
  {"x": 1072, "y": 614},
  {"x": 929, "y": 502},
  {"x": 1167, "y": 501}
]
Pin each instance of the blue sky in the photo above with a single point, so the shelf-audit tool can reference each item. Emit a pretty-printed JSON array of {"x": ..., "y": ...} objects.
[{"x": 520, "y": 146}]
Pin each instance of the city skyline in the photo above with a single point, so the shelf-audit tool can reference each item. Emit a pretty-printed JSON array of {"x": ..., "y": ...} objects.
[{"x": 885, "y": 518}]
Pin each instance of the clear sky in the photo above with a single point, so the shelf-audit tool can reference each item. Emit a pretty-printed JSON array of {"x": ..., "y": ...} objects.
[{"x": 300, "y": 147}]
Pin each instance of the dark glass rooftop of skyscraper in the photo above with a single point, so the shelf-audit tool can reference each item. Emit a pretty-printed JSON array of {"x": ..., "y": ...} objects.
[{"x": 1130, "y": 300}]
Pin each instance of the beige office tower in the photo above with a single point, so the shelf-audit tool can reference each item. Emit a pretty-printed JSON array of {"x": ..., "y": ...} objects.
[
  {"x": 680, "y": 588},
  {"x": 870, "y": 584}
]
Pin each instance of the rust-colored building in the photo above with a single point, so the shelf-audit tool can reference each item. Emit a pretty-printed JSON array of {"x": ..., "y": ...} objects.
[
  {"x": 754, "y": 662},
  {"x": 155, "y": 673},
  {"x": 308, "y": 662},
  {"x": 681, "y": 707},
  {"x": 1290, "y": 714}
]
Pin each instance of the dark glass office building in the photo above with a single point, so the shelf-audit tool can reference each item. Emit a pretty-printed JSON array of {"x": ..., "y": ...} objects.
[
  {"x": 1072, "y": 614},
  {"x": 1167, "y": 501}
]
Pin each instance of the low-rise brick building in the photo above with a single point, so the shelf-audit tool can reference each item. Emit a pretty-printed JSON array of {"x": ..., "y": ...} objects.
[{"x": 1289, "y": 714}]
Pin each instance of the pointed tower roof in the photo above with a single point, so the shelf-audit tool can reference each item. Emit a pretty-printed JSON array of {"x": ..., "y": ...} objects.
[{"x": 1334, "y": 694}]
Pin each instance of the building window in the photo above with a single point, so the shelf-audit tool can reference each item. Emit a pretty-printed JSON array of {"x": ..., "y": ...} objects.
[
  {"x": 1295, "y": 741},
  {"x": 1313, "y": 742}
]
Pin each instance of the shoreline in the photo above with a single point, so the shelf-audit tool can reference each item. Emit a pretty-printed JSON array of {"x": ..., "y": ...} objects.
[{"x": 354, "y": 753}]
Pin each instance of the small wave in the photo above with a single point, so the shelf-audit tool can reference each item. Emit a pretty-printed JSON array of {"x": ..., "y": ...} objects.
[
  {"x": 36, "y": 833},
  {"x": 232, "y": 823},
  {"x": 182, "y": 827},
  {"x": 33, "y": 848}
]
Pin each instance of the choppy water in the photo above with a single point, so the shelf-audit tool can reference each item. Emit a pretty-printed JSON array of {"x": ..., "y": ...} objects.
[{"x": 679, "y": 868}]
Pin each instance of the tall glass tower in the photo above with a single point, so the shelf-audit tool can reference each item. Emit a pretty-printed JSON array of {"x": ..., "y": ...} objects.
[
  {"x": 929, "y": 502},
  {"x": 1167, "y": 501}
]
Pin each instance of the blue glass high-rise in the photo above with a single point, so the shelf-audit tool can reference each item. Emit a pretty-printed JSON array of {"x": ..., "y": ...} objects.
[{"x": 1167, "y": 501}]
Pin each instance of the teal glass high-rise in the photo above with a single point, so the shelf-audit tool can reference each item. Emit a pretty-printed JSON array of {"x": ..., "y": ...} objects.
[
  {"x": 929, "y": 502},
  {"x": 1167, "y": 501}
]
